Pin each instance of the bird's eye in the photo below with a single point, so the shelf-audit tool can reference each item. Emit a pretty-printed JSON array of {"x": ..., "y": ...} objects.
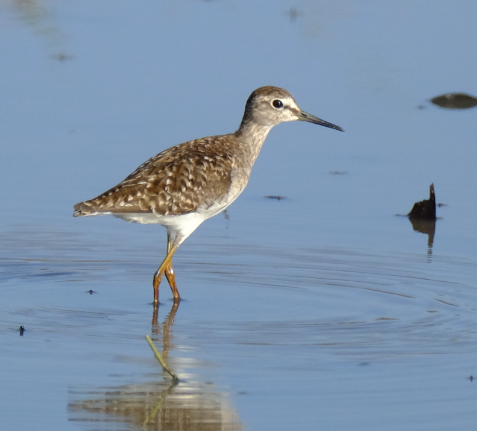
[{"x": 277, "y": 104}]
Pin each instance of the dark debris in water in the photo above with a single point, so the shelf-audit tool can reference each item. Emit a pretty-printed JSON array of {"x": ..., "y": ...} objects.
[
  {"x": 455, "y": 101},
  {"x": 53, "y": 274},
  {"x": 426, "y": 209},
  {"x": 22, "y": 330},
  {"x": 293, "y": 14},
  {"x": 423, "y": 216},
  {"x": 278, "y": 198},
  {"x": 61, "y": 57}
]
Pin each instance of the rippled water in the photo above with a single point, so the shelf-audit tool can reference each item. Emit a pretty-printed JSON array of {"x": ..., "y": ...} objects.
[{"x": 324, "y": 309}]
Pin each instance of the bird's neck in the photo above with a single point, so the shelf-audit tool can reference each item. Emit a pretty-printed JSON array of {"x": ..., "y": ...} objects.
[{"x": 252, "y": 135}]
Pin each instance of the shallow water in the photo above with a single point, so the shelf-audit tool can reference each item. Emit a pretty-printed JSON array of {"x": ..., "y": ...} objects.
[{"x": 323, "y": 310}]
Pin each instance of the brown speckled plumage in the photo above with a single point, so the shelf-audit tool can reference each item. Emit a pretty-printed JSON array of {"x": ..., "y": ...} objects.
[
  {"x": 176, "y": 181},
  {"x": 186, "y": 184}
]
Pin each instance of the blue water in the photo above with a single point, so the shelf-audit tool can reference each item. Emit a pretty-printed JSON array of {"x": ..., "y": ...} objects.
[{"x": 323, "y": 310}]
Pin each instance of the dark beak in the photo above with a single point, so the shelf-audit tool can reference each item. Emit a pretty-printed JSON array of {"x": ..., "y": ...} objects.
[{"x": 303, "y": 116}]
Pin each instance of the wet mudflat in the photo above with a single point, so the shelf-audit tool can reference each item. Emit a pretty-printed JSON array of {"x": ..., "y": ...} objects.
[{"x": 319, "y": 310}]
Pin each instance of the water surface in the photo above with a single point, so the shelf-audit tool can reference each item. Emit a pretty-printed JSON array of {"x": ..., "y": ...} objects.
[{"x": 321, "y": 310}]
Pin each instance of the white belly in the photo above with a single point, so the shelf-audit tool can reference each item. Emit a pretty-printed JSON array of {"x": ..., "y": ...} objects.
[{"x": 179, "y": 227}]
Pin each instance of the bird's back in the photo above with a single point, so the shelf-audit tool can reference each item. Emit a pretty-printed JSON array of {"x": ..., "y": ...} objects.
[{"x": 176, "y": 181}]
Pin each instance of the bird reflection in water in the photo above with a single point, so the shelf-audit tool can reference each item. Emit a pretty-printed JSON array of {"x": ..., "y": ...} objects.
[
  {"x": 166, "y": 331},
  {"x": 164, "y": 404}
]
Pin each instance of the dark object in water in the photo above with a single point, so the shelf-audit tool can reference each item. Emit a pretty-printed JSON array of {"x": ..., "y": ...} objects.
[
  {"x": 426, "y": 209},
  {"x": 61, "y": 57},
  {"x": 293, "y": 14},
  {"x": 278, "y": 198},
  {"x": 22, "y": 330},
  {"x": 471, "y": 378},
  {"x": 455, "y": 101}
]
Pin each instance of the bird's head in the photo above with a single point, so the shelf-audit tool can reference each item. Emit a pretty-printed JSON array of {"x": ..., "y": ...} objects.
[{"x": 269, "y": 106}]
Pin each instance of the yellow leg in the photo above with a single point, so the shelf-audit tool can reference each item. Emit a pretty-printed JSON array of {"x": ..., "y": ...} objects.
[
  {"x": 166, "y": 268},
  {"x": 169, "y": 271},
  {"x": 171, "y": 278}
]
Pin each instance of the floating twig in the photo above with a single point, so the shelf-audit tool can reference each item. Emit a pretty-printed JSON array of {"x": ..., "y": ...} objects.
[{"x": 159, "y": 358}]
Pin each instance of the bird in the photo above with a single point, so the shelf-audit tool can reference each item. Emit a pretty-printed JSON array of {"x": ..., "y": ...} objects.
[{"x": 185, "y": 185}]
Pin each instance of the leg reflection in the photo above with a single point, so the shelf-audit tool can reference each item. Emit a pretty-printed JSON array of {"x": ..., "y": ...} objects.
[{"x": 166, "y": 328}]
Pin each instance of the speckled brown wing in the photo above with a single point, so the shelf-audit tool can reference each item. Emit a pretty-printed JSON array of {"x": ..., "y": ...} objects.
[{"x": 175, "y": 181}]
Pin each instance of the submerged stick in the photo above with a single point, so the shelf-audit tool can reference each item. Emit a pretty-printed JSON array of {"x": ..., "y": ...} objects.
[{"x": 159, "y": 357}]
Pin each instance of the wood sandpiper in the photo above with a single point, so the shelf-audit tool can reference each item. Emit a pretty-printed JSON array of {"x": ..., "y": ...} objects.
[{"x": 185, "y": 185}]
